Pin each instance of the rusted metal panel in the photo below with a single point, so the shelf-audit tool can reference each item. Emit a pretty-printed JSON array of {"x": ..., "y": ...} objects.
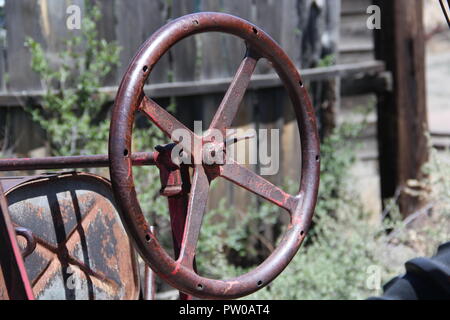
[
  {"x": 14, "y": 282},
  {"x": 82, "y": 250}
]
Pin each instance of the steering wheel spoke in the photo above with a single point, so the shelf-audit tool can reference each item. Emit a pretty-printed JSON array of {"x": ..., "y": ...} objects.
[
  {"x": 196, "y": 209},
  {"x": 253, "y": 182},
  {"x": 167, "y": 123},
  {"x": 233, "y": 97}
]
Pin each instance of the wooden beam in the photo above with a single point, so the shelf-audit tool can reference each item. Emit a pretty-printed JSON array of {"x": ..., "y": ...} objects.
[
  {"x": 190, "y": 88},
  {"x": 402, "y": 113}
]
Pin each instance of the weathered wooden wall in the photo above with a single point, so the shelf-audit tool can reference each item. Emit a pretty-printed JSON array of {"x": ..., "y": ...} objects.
[
  {"x": 356, "y": 44},
  {"x": 307, "y": 30},
  {"x": 297, "y": 25},
  {"x": 356, "y": 40}
]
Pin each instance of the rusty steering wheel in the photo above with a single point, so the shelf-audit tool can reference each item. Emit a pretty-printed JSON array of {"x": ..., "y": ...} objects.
[{"x": 131, "y": 98}]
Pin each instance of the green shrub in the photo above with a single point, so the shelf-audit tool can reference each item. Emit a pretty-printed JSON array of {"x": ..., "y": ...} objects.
[
  {"x": 75, "y": 113},
  {"x": 345, "y": 245},
  {"x": 73, "y": 108}
]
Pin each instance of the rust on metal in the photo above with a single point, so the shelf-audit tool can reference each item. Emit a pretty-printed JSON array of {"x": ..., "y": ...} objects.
[
  {"x": 70, "y": 162},
  {"x": 81, "y": 249},
  {"x": 169, "y": 173},
  {"x": 30, "y": 241},
  {"x": 189, "y": 211}
]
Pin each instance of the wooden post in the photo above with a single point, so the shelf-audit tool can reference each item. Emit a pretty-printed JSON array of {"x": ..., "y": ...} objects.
[{"x": 402, "y": 113}]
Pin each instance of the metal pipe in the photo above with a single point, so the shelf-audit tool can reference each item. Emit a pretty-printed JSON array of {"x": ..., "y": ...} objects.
[
  {"x": 14, "y": 282},
  {"x": 149, "y": 278},
  {"x": 71, "y": 162}
]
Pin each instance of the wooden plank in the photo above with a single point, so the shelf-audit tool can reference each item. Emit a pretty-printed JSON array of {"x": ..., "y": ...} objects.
[
  {"x": 184, "y": 53},
  {"x": 210, "y": 49},
  {"x": 366, "y": 84},
  {"x": 265, "y": 13},
  {"x": 26, "y": 19},
  {"x": 351, "y": 57},
  {"x": 294, "y": 21},
  {"x": 354, "y": 27},
  {"x": 313, "y": 26},
  {"x": 191, "y": 88},
  {"x": 134, "y": 26},
  {"x": 291, "y": 35},
  {"x": 354, "y": 6},
  {"x": 216, "y": 59},
  {"x": 3, "y": 74},
  {"x": 356, "y": 40},
  {"x": 211, "y": 54},
  {"x": 183, "y": 59},
  {"x": 21, "y": 21},
  {"x": 304, "y": 10},
  {"x": 220, "y": 56},
  {"x": 106, "y": 30},
  {"x": 25, "y": 134},
  {"x": 290, "y": 144},
  {"x": 402, "y": 112},
  {"x": 330, "y": 88},
  {"x": 359, "y": 47},
  {"x": 181, "y": 67},
  {"x": 52, "y": 19},
  {"x": 268, "y": 107},
  {"x": 267, "y": 115},
  {"x": 234, "y": 47}
]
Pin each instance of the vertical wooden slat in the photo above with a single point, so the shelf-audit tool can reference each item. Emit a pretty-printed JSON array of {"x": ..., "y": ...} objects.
[
  {"x": 26, "y": 19},
  {"x": 267, "y": 109},
  {"x": 293, "y": 23},
  {"x": 244, "y": 120},
  {"x": 216, "y": 61},
  {"x": 402, "y": 112},
  {"x": 21, "y": 20},
  {"x": 136, "y": 23},
  {"x": 290, "y": 38},
  {"x": 183, "y": 59},
  {"x": 265, "y": 13},
  {"x": 3, "y": 61},
  {"x": 329, "y": 96},
  {"x": 234, "y": 48},
  {"x": 53, "y": 18},
  {"x": 211, "y": 54},
  {"x": 290, "y": 22},
  {"x": 106, "y": 28},
  {"x": 184, "y": 53}
]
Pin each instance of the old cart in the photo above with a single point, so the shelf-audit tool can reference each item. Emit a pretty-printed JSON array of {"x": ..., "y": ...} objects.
[{"x": 74, "y": 235}]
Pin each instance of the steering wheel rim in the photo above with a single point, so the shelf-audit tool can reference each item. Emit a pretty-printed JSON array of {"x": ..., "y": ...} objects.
[{"x": 131, "y": 98}]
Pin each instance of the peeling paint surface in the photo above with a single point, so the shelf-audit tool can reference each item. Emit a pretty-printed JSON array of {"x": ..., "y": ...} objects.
[{"x": 82, "y": 251}]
